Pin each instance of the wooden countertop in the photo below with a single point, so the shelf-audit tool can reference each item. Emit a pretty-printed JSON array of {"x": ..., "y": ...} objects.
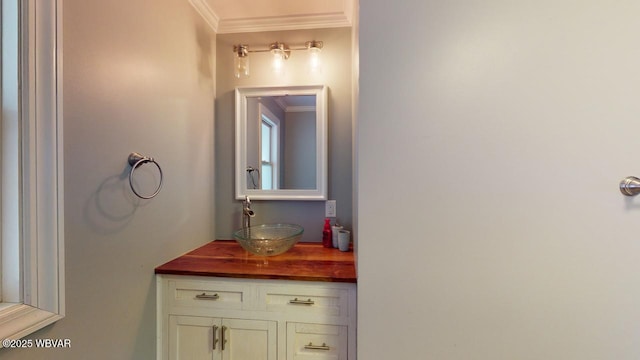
[{"x": 225, "y": 258}]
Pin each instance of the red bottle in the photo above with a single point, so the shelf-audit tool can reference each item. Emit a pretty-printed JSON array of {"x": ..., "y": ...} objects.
[{"x": 327, "y": 238}]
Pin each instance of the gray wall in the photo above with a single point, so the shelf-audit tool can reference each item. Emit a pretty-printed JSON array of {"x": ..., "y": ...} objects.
[
  {"x": 336, "y": 74},
  {"x": 511, "y": 117},
  {"x": 138, "y": 76},
  {"x": 299, "y": 150}
]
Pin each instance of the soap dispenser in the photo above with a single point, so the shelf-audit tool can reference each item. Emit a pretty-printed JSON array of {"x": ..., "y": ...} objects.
[{"x": 327, "y": 238}]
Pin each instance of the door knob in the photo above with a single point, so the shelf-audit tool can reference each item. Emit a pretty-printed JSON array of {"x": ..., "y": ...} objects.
[{"x": 630, "y": 186}]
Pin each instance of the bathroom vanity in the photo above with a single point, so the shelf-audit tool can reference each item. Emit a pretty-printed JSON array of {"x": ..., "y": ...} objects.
[{"x": 221, "y": 302}]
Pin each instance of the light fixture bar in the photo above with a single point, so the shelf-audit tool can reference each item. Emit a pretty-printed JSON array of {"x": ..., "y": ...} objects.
[
  {"x": 279, "y": 45},
  {"x": 280, "y": 52}
]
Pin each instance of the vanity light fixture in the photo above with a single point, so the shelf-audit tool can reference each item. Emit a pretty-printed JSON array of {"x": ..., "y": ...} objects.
[
  {"x": 280, "y": 53},
  {"x": 241, "y": 61}
]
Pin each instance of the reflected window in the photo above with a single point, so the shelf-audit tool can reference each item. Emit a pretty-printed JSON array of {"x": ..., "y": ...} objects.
[{"x": 270, "y": 128}]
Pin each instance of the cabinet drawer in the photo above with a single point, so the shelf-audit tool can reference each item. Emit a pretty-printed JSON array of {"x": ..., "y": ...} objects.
[
  {"x": 307, "y": 300},
  {"x": 317, "y": 342},
  {"x": 206, "y": 294}
]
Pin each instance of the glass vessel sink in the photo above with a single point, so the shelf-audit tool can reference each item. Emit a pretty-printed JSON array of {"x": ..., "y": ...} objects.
[{"x": 268, "y": 239}]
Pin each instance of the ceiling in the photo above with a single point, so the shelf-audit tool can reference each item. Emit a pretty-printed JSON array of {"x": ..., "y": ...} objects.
[{"x": 236, "y": 16}]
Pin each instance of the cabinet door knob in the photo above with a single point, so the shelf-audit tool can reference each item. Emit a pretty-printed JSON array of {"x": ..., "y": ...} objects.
[
  {"x": 317, "y": 347},
  {"x": 301, "y": 302},
  {"x": 204, "y": 296}
]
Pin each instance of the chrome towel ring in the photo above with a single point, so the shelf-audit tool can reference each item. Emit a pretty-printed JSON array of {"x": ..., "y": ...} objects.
[{"x": 136, "y": 160}]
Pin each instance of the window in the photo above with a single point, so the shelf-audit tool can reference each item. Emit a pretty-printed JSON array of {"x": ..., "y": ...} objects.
[
  {"x": 10, "y": 150},
  {"x": 269, "y": 149},
  {"x": 31, "y": 182}
]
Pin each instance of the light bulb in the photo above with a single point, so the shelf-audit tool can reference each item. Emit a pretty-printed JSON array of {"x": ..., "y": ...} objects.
[
  {"x": 241, "y": 65},
  {"x": 241, "y": 61},
  {"x": 315, "y": 66},
  {"x": 314, "y": 47},
  {"x": 280, "y": 53}
]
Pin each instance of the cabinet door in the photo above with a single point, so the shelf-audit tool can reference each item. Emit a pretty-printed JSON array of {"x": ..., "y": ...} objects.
[
  {"x": 193, "y": 338},
  {"x": 249, "y": 339}
]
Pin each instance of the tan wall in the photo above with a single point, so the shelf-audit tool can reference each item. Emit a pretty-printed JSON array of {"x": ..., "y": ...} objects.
[{"x": 138, "y": 76}]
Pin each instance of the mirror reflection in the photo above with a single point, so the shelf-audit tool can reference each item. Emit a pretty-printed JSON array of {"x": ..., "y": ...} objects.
[{"x": 281, "y": 142}]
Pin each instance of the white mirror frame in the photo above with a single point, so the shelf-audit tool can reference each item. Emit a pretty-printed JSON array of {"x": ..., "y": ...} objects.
[{"x": 320, "y": 192}]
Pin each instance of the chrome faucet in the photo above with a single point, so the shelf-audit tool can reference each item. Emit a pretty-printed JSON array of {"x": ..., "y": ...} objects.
[{"x": 247, "y": 213}]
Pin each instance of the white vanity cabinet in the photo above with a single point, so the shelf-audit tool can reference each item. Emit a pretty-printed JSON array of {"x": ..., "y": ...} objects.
[{"x": 202, "y": 317}]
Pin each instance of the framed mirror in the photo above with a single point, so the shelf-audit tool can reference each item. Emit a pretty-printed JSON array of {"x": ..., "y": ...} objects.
[{"x": 281, "y": 142}]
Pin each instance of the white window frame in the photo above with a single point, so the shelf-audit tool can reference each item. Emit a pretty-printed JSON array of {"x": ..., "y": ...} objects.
[
  {"x": 41, "y": 269},
  {"x": 274, "y": 123}
]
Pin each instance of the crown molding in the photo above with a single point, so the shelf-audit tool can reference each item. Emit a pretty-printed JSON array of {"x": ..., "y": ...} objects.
[
  {"x": 277, "y": 23},
  {"x": 281, "y": 103},
  {"x": 280, "y": 23},
  {"x": 207, "y": 13},
  {"x": 291, "y": 109}
]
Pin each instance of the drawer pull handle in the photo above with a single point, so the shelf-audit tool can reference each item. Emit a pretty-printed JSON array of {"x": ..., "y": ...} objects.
[
  {"x": 223, "y": 341},
  {"x": 317, "y": 347},
  {"x": 215, "y": 340},
  {"x": 204, "y": 296},
  {"x": 301, "y": 302}
]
